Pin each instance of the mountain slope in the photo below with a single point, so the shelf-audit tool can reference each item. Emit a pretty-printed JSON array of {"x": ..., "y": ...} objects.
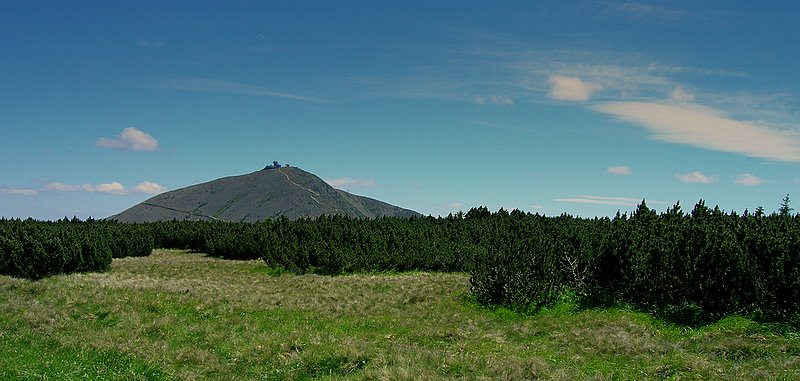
[{"x": 269, "y": 193}]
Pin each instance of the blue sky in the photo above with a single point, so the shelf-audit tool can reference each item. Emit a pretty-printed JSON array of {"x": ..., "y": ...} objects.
[{"x": 583, "y": 107}]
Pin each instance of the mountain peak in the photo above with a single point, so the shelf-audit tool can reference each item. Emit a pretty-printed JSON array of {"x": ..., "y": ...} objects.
[{"x": 272, "y": 192}]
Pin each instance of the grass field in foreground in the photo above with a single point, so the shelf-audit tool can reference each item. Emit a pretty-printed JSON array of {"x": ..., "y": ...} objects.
[{"x": 185, "y": 316}]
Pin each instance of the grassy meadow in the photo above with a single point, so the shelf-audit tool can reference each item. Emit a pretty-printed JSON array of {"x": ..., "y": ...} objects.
[{"x": 177, "y": 315}]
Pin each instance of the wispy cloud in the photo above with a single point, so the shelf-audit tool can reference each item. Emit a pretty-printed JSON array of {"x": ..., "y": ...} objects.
[
  {"x": 228, "y": 87},
  {"x": 113, "y": 187},
  {"x": 714, "y": 72},
  {"x": 620, "y": 170},
  {"x": 680, "y": 95},
  {"x": 348, "y": 182},
  {"x": 454, "y": 205},
  {"x": 774, "y": 108},
  {"x": 603, "y": 74},
  {"x": 493, "y": 100},
  {"x": 493, "y": 64},
  {"x": 130, "y": 139},
  {"x": 744, "y": 122},
  {"x": 61, "y": 187},
  {"x": 438, "y": 84},
  {"x": 18, "y": 191},
  {"x": 571, "y": 88},
  {"x": 579, "y": 76},
  {"x": 639, "y": 10},
  {"x": 601, "y": 200},
  {"x": 748, "y": 179},
  {"x": 707, "y": 128},
  {"x": 149, "y": 44},
  {"x": 695, "y": 177}
]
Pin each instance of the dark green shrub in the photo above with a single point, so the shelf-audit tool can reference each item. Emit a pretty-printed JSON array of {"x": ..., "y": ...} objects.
[
  {"x": 34, "y": 250},
  {"x": 524, "y": 276}
]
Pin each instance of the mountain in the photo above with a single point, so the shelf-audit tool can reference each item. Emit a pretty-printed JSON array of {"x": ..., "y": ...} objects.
[{"x": 272, "y": 192}]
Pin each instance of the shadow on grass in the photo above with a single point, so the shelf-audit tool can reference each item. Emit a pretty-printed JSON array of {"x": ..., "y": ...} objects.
[{"x": 682, "y": 317}]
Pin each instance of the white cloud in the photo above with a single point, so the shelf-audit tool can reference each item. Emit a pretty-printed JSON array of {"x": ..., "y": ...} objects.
[
  {"x": 538, "y": 207},
  {"x": 748, "y": 179},
  {"x": 695, "y": 177},
  {"x": 149, "y": 188},
  {"x": 350, "y": 182},
  {"x": 112, "y": 187},
  {"x": 221, "y": 86},
  {"x": 18, "y": 191},
  {"x": 620, "y": 170},
  {"x": 707, "y": 128},
  {"x": 493, "y": 100},
  {"x": 571, "y": 88},
  {"x": 680, "y": 95},
  {"x": 130, "y": 139},
  {"x": 601, "y": 200}
]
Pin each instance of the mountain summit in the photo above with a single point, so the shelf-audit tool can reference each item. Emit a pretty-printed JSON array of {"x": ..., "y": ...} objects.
[{"x": 272, "y": 192}]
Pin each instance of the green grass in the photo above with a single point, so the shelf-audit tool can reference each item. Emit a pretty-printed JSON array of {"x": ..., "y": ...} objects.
[{"x": 184, "y": 316}]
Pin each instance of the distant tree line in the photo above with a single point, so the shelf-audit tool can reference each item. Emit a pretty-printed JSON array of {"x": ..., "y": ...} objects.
[{"x": 688, "y": 267}]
